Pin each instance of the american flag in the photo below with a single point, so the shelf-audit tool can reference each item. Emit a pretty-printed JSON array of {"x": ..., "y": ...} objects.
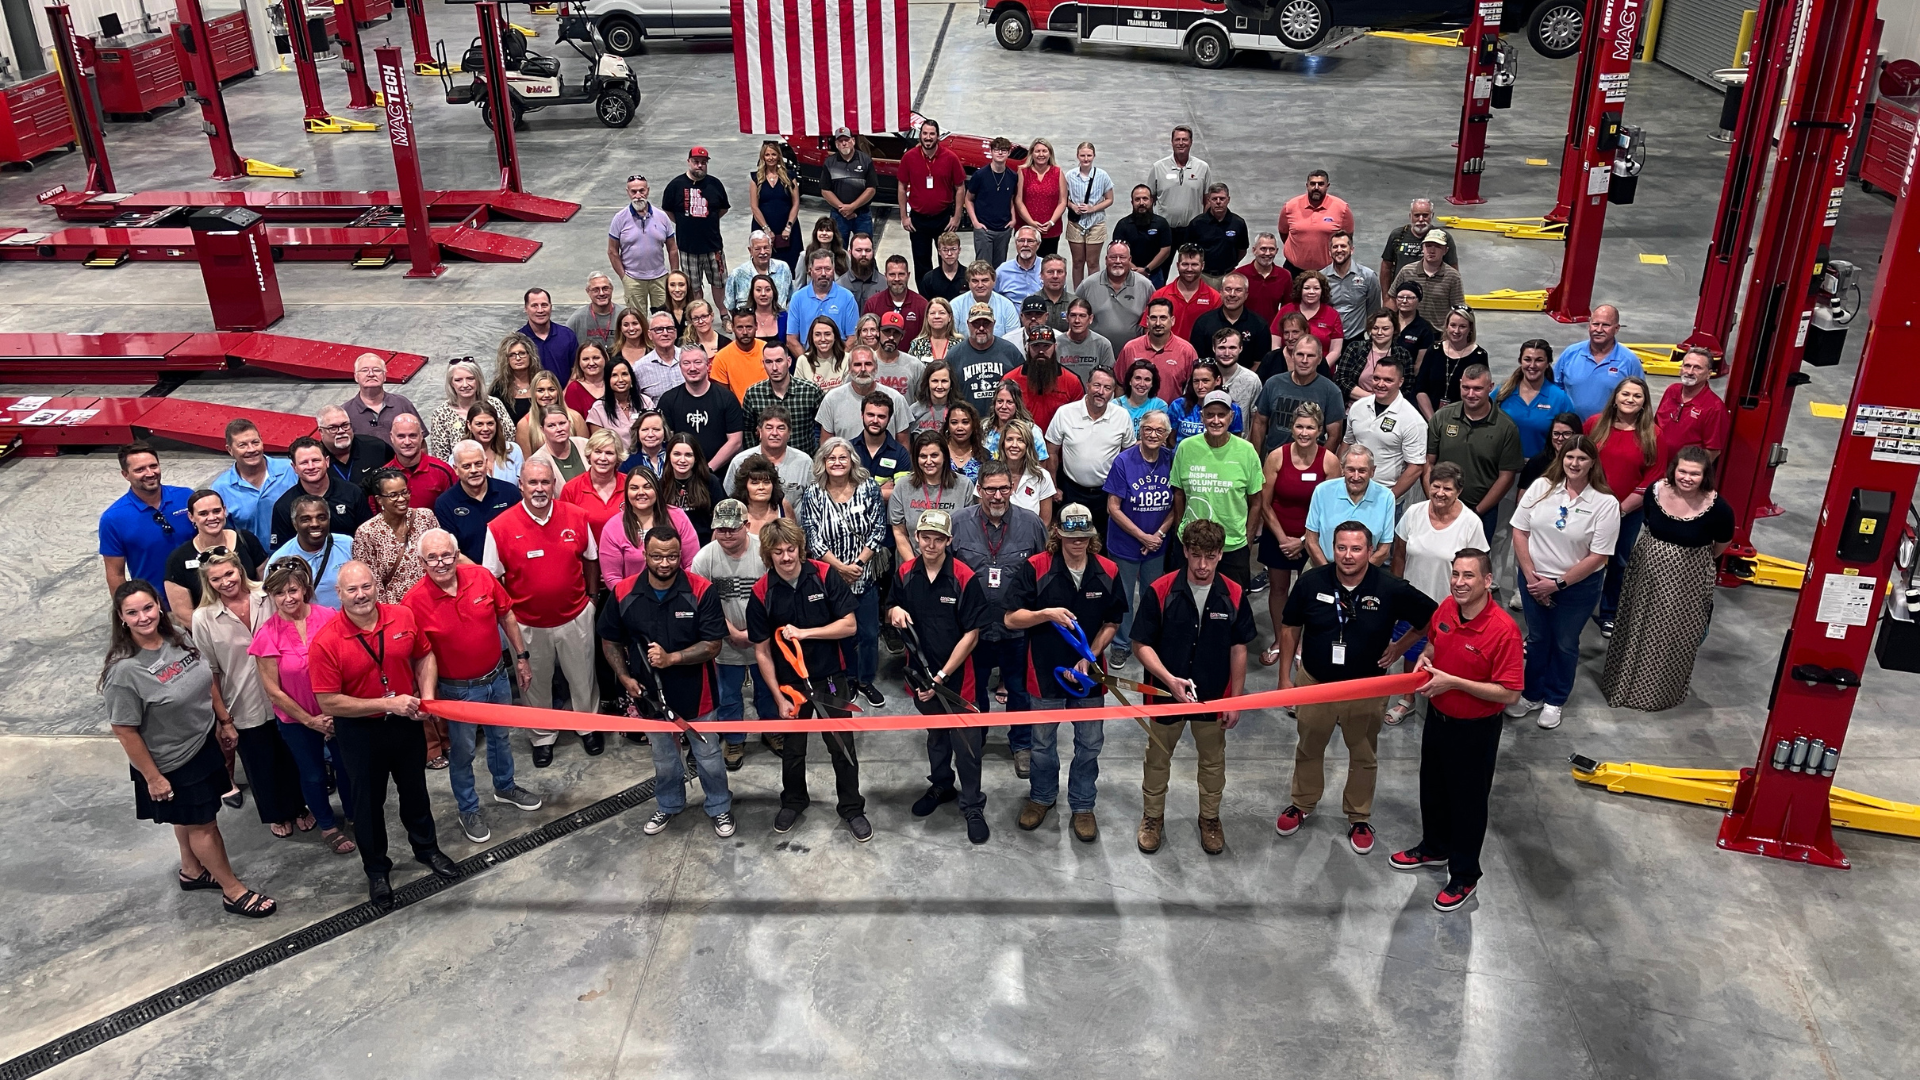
[{"x": 805, "y": 67}]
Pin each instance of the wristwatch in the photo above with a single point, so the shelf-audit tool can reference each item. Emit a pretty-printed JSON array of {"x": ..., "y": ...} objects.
[
  {"x": 523, "y": 654},
  {"x": 1560, "y": 585}
]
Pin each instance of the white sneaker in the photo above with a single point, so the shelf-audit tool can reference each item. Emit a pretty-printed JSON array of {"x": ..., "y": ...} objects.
[
  {"x": 1513, "y": 602},
  {"x": 1521, "y": 708},
  {"x": 1549, "y": 717}
]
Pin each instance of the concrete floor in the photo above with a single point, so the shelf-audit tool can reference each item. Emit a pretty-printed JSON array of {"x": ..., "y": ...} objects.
[{"x": 1610, "y": 938}]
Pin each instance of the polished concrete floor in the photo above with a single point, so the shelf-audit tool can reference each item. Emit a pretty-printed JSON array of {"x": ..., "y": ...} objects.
[{"x": 1610, "y": 938}]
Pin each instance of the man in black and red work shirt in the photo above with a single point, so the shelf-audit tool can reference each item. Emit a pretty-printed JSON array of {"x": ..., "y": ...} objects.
[
  {"x": 1070, "y": 585},
  {"x": 940, "y": 597},
  {"x": 1476, "y": 659},
  {"x": 813, "y": 609},
  {"x": 670, "y": 622},
  {"x": 1191, "y": 636}
]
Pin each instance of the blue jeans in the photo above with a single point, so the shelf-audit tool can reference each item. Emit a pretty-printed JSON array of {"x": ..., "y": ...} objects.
[
  {"x": 1553, "y": 638},
  {"x": 670, "y": 771},
  {"x": 1082, "y": 776},
  {"x": 1135, "y": 576},
  {"x": 1010, "y": 656},
  {"x": 1617, "y": 566},
  {"x": 861, "y": 652},
  {"x": 462, "y": 738},
  {"x": 310, "y": 749},
  {"x": 733, "y": 704},
  {"x": 862, "y": 223}
]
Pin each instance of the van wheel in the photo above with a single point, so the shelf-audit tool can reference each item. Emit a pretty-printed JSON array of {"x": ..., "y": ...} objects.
[
  {"x": 1013, "y": 29},
  {"x": 1207, "y": 47},
  {"x": 1302, "y": 24},
  {"x": 1554, "y": 28},
  {"x": 621, "y": 34}
]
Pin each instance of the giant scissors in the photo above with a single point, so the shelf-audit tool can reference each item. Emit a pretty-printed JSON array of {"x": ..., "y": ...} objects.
[
  {"x": 1083, "y": 683},
  {"x": 920, "y": 676},
  {"x": 823, "y": 699}
]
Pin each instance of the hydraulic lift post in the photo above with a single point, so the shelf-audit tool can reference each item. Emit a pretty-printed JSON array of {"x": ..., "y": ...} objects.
[
  {"x": 1808, "y": 176},
  {"x": 406, "y": 164},
  {"x": 348, "y": 15},
  {"x": 81, "y": 100},
  {"x": 318, "y": 120},
  {"x": 1609, "y": 38},
  {"x": 423, "y": 62},
  {"x": 204, "y": 87},
  {"x": 499, "y": 104},
  {"x": 1483, "y": 45}
]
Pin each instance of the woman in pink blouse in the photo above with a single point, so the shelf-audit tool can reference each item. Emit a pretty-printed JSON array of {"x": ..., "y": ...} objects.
[
  {"x": 279, "y": 650},
  {"x": 623, "y": 549}
]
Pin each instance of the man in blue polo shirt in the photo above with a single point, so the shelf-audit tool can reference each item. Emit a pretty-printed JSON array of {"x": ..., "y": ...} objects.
[
  {"x": 255, "y": 482},
  {"x": 1354, "y": 496},
  {"x": 1589, "y": 370},
  {"x": 468, "y": 507},
  {"x": 553, "y": 341},
  {"x": 824, "y": 297},
  {"x": 142, "y": 527}
]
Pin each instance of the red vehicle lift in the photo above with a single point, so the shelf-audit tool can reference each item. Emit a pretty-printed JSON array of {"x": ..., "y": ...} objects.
[
  {"x": 1596, "y": 166},
  {"x": 1486, "y": 50},
  {"x": 203, "y": 85},
  {"x": 42, "y": 427},
  {"x": 82, "y": 98},
  {"x": 424, "y": 253},
  {"x": 318, "y": 120},
  {"x": 147, "y": 358},
  {"x": 350, "y": 17}
]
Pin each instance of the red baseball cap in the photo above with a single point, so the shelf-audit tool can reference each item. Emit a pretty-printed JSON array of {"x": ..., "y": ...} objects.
[
  {"x": 893, "y": 319},
  {"x": 698, "y": 152}
]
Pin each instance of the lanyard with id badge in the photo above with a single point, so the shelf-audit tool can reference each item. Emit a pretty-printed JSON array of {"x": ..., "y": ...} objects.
[
  {"x": 1338, "y": 655},
  {"x": 379, "y": 658}
]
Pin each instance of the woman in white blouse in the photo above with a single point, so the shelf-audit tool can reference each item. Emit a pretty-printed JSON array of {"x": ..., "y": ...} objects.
[
  {"x": 1424, "y": 543},
  {"x": 1564, "y": 531}
]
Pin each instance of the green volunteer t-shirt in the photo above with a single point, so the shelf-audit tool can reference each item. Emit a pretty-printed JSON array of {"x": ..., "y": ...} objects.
[{"x": 1218, "y": 482}]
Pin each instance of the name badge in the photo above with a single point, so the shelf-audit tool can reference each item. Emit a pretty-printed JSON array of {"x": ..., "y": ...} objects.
[
  {"x": 193, "y": 564},
  {"x": 816, "y": 598},
  {"x": 929, "y": 183},
  {"x": 683, "y": 614},
  {"x": 993, "y": 577},
  {"x": 1339, "y": 654},
  {"x": 536, "y": 553},
  {"x": 949, "y": 600},
  {"x": 1325, "y": 598},
  {"x": 1307, "y": 477}
]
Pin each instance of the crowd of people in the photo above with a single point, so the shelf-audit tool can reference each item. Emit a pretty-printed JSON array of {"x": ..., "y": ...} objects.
[{"x": 1039, "y": 466}]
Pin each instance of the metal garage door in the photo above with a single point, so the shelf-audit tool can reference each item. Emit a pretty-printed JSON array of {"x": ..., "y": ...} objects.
[{"x": 1697, "y": 37}]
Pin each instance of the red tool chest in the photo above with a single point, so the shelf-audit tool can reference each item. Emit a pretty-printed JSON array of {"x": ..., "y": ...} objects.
[
  {"x": 136, "y": 74},
  {"x": 1888, "y": 152},
  {"x": 231, "y": 40},
  {"x": 33, "y": 118}
]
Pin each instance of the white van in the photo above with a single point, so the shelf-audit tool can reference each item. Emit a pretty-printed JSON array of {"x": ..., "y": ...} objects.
[{"x": 625, "y": 24}]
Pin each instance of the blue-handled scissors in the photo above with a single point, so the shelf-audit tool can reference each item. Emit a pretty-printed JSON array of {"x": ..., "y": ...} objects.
[{"x": 1083, "y": 683}]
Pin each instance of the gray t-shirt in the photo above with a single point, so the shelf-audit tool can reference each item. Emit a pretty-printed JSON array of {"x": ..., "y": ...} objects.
[
  {"x": 1081, "y": 357},
  {"x": 1245, "y": 387},
  {"x": 1116, "y": 312},
  {"x": 1282, "y": 395},
  {"x": 910, "y": 499},
  {"x": 167, "y": 694},
  {"x": 840, "y": 411},
  {"x": 599, "y": 329},
  {"x": 734, "y": 578},
  {"x": 795, "y": 469},
  {"x": 982, "y": 372},
  {"x": 902, "y": 373}
]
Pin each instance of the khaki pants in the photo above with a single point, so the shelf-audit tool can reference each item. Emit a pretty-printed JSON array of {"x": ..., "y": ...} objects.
[
  {"x": 1359, "y": 723},
  {"x": 569, "y": 645},
  {"x": 1210, "y": 739},
  {"x": 645, "y": 294}
]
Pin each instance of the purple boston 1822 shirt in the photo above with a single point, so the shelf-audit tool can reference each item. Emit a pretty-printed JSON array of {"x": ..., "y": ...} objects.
[{"x": 1145, "y": 497}]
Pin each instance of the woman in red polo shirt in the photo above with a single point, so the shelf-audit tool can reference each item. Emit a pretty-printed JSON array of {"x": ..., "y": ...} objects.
[
  {"x": 1323, "y": 322},
  {"x": 598, "y": 492}
]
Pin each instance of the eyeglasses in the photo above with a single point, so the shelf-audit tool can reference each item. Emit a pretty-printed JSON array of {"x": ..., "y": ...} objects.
[
  {"x": 438, "y": 560},
  {"x": 401, "y": 494},
  {"x": 216, "y": 551},
  {"x": 160, "y": 519},
  {"x": 1459, "y": 309},
  {"x": 337, "y": 427}
]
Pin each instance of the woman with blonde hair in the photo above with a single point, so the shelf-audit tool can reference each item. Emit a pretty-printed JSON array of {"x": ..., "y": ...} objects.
[
  {"x": 513, "y": 369},
  {"x": 448, "y": 423},
  {"x": 775, "y": 203},
  {"x": 598, "y": 491},
  {"x": 701, "y": 331},
  {"x": 1009, "y": 405},
  {"x": 845, "y": 518},
  {"x": 547, "y": 394},
  {"x": 1033, "y": 487},
  {"x": 936, "y": 331},
  {"x": 588, "y": 381},
  {"x": 231, "y": 609},
  {"x": 1040, "y": 195},
  {"x": 1089, "y": 193}
]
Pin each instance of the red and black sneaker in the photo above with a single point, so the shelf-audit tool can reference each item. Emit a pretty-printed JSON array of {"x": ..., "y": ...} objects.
[
  {"x": 1452, "y": 897},
  {"x": 1289, "y": 820},
  {"x": 1360, "y": 838},
  {"x": 1414, "y": 859}
]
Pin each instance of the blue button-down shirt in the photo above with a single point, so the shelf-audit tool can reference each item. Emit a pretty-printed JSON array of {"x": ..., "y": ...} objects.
[
  {"x": 839, "y": 305},
  {"x": 249, "y": 507},
  {"x": 1589, "y": 380},
  {"x": 1535, "y": 419},
  {"x": 1015, "y": 282},
  {"x": 1331, "y": 506}
]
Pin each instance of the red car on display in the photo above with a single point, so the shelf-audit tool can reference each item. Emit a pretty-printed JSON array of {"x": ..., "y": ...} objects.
[
  {"x": 807, "y": 154},
  {"x": 1208, "y": 31}
]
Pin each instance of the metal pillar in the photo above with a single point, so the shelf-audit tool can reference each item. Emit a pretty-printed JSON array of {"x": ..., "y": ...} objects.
[
  {"x": 1808, "y": 175},
  {"x": 82, "y": 99},
  {"x": 1781, "y": 810},
  {"x": 423, "y": 62},
  {"x": 1586, "y": 165},
  {"x": 303, "y": 67},
  {"x": 1483, "y": 43},
  {"x": 348, "y": 16},
  {"x": 499, "y": 105},
  {"x": 406, "y": 163},
  {"x": 204, "y": 87}
]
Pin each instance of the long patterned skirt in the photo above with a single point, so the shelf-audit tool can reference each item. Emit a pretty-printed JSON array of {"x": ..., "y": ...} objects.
[{"x": 1664, "y": 606}]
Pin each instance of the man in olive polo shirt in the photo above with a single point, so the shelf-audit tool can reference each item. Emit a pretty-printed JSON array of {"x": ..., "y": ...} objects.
[{"x": 1480, "y": 438}]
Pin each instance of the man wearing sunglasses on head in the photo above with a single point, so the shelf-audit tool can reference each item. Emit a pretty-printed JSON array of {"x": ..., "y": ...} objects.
[{"x": 143, "y": 526}]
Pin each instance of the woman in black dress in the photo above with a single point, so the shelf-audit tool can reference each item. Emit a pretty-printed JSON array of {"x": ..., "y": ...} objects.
[{"x": 776, "y": 204}]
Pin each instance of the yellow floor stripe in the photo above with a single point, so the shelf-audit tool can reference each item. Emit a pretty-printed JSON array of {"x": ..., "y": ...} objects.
[
  {"x": 1827, "y": 412},
  {"x": 1653, "y": 260},
  {"x": 1538, "y": 161}
]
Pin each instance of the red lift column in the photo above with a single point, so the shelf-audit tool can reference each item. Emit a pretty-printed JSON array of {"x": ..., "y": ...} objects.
[
  {"x": 1808, "y": 177},
  {"x": 1610, "y": 36},
  {"x": 348, "y": 15},
  {"x": 423, "y": 62},
  {"x": 1780, "y": 807},
  {"x": 80, "y": 99},
  {"x": 1483, "y": 42},
  {"x": 303, "y": 63},
  {"x": 424, "y": 251},
  {"x": 499, "y": 105},
  {"x": 204, "y": 86}
]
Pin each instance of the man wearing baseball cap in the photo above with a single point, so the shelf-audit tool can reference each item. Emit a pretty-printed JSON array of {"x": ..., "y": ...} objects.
[
  {"x": 1218, "y": 477},
  {"x": 1033, "y": 312},
  {"x": 697, "y": 202},
  {"x": 1440, "y": 286},
  {"x": 982, "y": 360},
  {"x": 940, "y": 598},
  {"x": 893, "y": 369},
  {"x": 847, "y": 183},
  {"x": 1043, "y": 383},
  {"x": 731, "y": 561}
]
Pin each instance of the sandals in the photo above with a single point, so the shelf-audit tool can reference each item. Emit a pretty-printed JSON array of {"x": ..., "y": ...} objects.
[
  {"x": 194, "y": 884},
  {"x": 1398, "y": 713},
  {"x": 338, "y": 842},
  {"x": 305, "y": 822},
  {"x": 438, "y": 762},
  {"x": 280, "y": 829},
  {"x": 1270, "y": 657},
  {"x": 251, "y": 905}
]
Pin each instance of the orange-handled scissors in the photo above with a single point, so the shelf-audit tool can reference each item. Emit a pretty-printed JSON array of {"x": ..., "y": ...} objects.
[{"x": 806, "y": 693}]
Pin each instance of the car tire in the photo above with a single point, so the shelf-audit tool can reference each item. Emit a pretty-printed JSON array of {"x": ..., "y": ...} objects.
[
  {"x": 621, "y": 35},
  {"x": 1013, "y": 29},
  {"x": 1302, "y": 24},
  {"x": 1554, "y": 28},
  {"x": 615, "y": 108},
  {"x": 1208, "y": 47}
]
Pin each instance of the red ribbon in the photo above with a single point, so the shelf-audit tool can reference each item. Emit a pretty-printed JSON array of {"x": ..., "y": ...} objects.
[{"x": 554, "y": 719}]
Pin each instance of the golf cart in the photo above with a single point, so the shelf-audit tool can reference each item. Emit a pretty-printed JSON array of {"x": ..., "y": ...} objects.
[{"x": 534, "y": 81}]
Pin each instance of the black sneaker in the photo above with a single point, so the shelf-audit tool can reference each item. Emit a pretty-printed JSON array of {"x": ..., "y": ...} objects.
[
  {"x": 783, "y": 821},
  {"x": 928, "y": 803},
  {"x": 874, "y": 697},
  {"x": 977, "y": 827},
  {"x": 1260, "y": 582},
  {"x": 861, "y": 829},
  {"x": 1606, "y": 631}
]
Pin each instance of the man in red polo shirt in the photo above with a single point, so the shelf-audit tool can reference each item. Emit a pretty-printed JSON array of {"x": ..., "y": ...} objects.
[
  {"x": 1170, "y": 352},
  {"x": 365, "y": 668},
  {"x": 930, "y": 179},
  {"x": 462, "y": 611},
  {"x": 1474, "y": 655},
  {"x": 428, "y": 477},
  {"x": 1269, "y": 284},
  {"x": 543, "y": 551},
  {"x": 1690, "y": 413},
  {"x": 1191, "y": 297}
]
